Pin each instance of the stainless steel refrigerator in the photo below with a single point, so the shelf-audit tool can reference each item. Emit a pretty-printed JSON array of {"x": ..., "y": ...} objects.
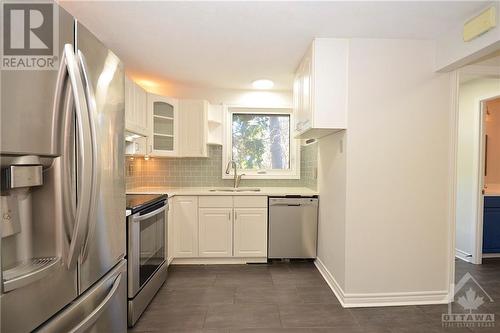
[{"x": 63, "y": 232}]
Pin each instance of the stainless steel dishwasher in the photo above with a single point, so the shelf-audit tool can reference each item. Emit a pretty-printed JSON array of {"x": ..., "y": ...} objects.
[{"x": 293, "y": 227}]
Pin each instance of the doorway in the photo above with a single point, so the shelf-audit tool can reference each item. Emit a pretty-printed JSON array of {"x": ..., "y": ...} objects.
[
  {"x": 490, "y": 176},
  {"x": 477, "y": 151}
]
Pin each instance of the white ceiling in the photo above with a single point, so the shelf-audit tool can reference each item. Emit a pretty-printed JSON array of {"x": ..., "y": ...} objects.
[{"x": 230, "y": 44}]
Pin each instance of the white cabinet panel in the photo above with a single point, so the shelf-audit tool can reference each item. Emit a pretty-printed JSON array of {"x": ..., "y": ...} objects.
[
  {"x": 193, "y": 122},
  {"x": 250, "y": 232},
  {"x": 215, "y": 232},
  {"x": 250, "y": 201},
  {"x": 136, "y": 115},
  {"x": 185, "y": 226},
  {"x": 129, "y": 104},
  {"x": 215, "y": 124},
  {"x": 141, "y": 112},
  {"x": 170, "y": 230},
  {"x": 320, "y": 89},
  {"x": 216, "y": 201},
  {"x": 211, "y": 226},
  {"x": 164, "y": 129}
]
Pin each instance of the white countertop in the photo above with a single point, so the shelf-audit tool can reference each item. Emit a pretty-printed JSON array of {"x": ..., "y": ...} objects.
[
  {"x": 268, "y": 191},
  {"x": 492, "y": 190}
]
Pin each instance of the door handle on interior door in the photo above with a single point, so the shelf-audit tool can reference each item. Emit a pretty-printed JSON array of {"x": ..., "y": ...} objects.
[{"x": 69, "y": 69}]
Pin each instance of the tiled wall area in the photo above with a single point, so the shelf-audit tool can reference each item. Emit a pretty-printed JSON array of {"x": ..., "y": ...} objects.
[{"x": 206, "y": 172}]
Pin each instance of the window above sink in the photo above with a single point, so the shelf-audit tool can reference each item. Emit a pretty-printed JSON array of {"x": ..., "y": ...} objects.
[{"x": 259, "y": 141}]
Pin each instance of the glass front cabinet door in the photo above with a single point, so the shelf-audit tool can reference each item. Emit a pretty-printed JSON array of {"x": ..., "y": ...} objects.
[{"x": 164, "y": 116}]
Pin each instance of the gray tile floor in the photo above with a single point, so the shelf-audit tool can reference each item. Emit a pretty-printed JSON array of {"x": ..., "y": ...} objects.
[{"x": 287, "y": 298}]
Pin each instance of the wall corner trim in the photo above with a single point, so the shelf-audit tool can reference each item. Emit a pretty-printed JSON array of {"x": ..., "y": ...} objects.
[{"x": 348, "y": 300}]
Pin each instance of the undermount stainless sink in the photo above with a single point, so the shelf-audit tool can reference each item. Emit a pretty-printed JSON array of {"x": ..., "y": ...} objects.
[{"x": 232, "y": 189}]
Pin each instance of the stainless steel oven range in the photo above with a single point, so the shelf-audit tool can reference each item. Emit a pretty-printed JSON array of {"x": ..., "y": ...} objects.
[{"x": 146, "y": 250}]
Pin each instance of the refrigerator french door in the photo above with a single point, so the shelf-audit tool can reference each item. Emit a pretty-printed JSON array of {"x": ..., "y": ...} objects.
[
  {"x": 63, "y": 195},
  {"x": 104, "y": 78}
]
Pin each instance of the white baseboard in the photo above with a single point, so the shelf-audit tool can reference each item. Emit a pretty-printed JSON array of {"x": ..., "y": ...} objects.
[
  {"x": 462, "y": 255},
  {"x": 491, "y": 255},
  {"x": 217, "y": 261},
  {"x": 351, "y": 300},
  {"x": 330, "y": 280}
]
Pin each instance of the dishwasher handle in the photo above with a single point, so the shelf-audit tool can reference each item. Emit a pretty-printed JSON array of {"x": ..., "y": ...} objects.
[
  {"x": 285, "y": 204},
  {"x": 293, "y": 202}
]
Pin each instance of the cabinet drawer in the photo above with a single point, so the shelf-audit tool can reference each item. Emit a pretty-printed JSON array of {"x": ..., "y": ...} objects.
[
  {"x": 491, "y": 202},
  {"x": 251, "y": 201},
  {"x": 215, "y": 201}
]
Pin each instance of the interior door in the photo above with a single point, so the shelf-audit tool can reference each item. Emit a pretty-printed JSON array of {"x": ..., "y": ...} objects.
[{"x": 105, "y": 244}]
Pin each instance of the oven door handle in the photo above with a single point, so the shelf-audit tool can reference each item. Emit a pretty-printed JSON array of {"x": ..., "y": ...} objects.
[{"x": 139, "y": 218}]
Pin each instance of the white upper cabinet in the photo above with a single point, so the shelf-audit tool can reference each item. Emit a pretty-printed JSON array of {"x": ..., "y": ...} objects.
[
  {"x": 164, "y": 137},
  {"x": 320, "y": 89},
  {"x": 215, "y": 124},
  {"x": 136, "y": 116},
  {"x": 193, "y": 123}
]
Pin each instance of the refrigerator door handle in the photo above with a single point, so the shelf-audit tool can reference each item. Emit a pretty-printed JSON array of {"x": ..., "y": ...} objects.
[
  {"x": 96, "y": 177},
  {"x": 84, "y": 325},
  {"x": 69, "y": 68}
]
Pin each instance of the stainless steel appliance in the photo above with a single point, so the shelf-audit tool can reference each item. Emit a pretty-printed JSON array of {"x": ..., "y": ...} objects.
[
  {"x": 146, "y": 250},
  {"x": 293, "y": 227},
  {"x": 62, "y": 191}
]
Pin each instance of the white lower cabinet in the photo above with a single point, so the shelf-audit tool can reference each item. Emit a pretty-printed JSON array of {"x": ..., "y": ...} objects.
[
  {"x": 170, "y": 230},
  {"x": 215, "y": 232},
  {"x": 250, "y": 232},
  {"x": 185, "y": 216},
  {"x": 220, "y": 226}
]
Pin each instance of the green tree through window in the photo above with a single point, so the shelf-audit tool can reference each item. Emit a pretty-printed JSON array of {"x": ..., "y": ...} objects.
[{"x": 261, "y": 141}]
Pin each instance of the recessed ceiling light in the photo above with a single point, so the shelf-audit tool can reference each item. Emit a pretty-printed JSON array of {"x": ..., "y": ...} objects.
[{"x": 263, "y": 84}]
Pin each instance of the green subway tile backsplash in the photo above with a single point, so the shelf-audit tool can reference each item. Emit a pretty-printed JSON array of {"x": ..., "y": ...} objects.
[{"x": 206, "y": 172}]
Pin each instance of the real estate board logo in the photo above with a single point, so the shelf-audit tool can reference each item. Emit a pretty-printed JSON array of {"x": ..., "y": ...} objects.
[
  {"x": 467, "y": 308},
  {"x": 30, "y": 35}
]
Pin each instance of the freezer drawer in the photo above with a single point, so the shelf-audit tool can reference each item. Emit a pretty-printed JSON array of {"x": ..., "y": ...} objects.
[
  {"x": 102, "y": 308},
  {"x": 293, "y": 228}
]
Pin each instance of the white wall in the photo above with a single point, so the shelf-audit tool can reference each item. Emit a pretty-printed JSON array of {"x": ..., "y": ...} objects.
[
  {"x": 398, "y": 169},
  {"x": 453, "y": 52},
  {"x": 470, "y": 95},
  {"x": 397, "y": 223},
  {"x": 332, "y": 187}
]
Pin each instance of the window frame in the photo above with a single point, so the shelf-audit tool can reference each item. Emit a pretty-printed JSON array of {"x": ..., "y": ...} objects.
[{"x": 227, "y": 147}]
